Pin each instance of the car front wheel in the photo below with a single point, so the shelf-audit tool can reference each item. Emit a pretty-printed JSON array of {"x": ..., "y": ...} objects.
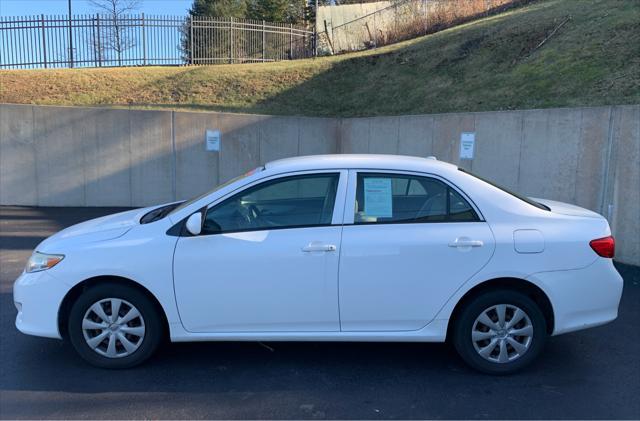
[
  {"x": 114, "y": 326},
  {"x": 500, "y": 332}
]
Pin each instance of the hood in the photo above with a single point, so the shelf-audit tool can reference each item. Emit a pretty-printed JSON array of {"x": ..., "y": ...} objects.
[
  {"x": 567, "y": 209},
  {"x": 99, "y": 229}
]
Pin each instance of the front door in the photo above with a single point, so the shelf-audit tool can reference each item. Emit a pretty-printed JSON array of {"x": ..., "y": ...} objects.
[
  {"x": 266, "y": 260},
  {"x": 413, "y": 242}
]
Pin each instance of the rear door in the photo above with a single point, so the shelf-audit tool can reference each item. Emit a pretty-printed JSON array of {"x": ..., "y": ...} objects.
[{"x": 409, "y": 242}]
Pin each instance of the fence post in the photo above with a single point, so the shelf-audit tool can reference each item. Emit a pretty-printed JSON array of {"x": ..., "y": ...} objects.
[
  {"x": 231, "y": 40},
  {"x": 395, "y": 22},
  {"x": 94, "y": 50},
  {"x": 326, "y": 31},
  {"x": 44, "y": 43},
  {"x": 98, "y": 40},
  {"x": 332, "y": 35},
  {"x": 315, "y": 30},
  {"x": 70, "y": 38},
  {"x": 144, "y": 42},
  {"x": 291, "y": 41},
  {"x": 375, "y": 32},
  {"x": 264, "y": 48},
  {"x": 315, "y": 41},
  {"x": 425, "y": 12},
  {"x": 191, "y": 40}
]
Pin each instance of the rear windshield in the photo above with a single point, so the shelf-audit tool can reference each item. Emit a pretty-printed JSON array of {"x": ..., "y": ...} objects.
[{"x": 512, "y": 193}]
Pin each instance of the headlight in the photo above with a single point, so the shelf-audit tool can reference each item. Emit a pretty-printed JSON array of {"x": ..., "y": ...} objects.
[{"x": 41, "y": 261}]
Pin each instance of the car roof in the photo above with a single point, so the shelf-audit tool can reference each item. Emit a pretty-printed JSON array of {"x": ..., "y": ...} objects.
[{"x": 356, "y": 161}]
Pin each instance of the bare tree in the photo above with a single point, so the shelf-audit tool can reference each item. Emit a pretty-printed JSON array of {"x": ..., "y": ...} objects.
[{"x": 115, "y": 37}]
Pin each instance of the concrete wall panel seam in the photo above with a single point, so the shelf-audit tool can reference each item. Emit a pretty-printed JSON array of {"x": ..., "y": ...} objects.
[
  {"x": 173, "y": 157},
  {"x": 607, "y": 163}
]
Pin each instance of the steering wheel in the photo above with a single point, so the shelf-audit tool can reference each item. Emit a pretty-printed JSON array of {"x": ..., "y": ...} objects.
[
  {"x": 254, "y": 211},
  {"x": 249, "y": 213}
]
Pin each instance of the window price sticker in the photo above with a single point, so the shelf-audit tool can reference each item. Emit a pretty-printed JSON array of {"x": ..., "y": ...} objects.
[{"x": 377, "y": 197}]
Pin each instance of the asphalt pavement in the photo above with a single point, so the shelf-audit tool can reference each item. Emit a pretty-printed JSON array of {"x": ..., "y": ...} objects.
[{"x": 593, "y": 374}]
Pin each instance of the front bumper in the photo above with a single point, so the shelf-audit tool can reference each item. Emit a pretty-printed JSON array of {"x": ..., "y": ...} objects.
[
  {"x": 38, "y": 297},
  {"x": 582, "y": 298}
]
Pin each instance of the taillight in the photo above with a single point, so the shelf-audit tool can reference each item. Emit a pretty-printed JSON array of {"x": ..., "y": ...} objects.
[{"x": 604, "y": 247}]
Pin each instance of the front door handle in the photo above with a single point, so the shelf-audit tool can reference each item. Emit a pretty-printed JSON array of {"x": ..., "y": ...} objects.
[
  {"x": 318, "y": 246},
  {"x": 466, "y": 242}
]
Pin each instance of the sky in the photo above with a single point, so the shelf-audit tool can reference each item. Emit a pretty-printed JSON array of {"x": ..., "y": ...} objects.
[{"x": 59, "y": 7}]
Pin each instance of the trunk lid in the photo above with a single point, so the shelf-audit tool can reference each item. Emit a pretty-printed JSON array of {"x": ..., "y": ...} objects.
[{"x": 567, "y": 209}]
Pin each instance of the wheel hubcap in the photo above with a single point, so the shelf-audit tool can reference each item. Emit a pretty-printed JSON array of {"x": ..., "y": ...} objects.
[
  {"x": 502, "y": 333},
  {"x": 113, "y": 328}
]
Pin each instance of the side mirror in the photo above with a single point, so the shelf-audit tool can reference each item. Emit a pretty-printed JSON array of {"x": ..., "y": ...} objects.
[{"x": 194, "y": 223}]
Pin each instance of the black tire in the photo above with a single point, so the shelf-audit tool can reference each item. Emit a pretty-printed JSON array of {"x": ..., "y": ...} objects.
[
  {"x": 463, "y": 325},
  {"x": 153, "y": 327}
]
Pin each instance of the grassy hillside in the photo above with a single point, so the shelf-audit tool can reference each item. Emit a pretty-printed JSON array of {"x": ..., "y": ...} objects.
[{"x": 490, "y": 64}]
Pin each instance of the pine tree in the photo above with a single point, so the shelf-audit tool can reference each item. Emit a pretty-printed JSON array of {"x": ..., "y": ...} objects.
[
  {"x": 286, "y": 11},
  {"x": 219, "y": 8}
]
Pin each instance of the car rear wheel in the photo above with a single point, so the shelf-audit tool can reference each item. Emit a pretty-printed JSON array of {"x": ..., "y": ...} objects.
[
  {"x": 500, "y": 332},
  {"x": 114, "y": 326}
]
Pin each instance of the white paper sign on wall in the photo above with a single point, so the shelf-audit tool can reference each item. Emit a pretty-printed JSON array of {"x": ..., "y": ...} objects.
[
  {"x": 212, "y": 140},
  {"x": 467, "y": 145}
]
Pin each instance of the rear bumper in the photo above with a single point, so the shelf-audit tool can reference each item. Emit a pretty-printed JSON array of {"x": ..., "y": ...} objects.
[
  {"x": 582, "y": 298},
  {"x": 37, "y": 297}
]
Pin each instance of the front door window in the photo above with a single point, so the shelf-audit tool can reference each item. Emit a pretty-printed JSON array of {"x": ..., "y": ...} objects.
[{"x": 290, "y": 202}]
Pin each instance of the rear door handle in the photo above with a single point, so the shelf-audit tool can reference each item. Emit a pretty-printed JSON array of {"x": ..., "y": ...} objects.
[
  {"x": 466, "y": 242},
  {"x": 318, "y": 246}
]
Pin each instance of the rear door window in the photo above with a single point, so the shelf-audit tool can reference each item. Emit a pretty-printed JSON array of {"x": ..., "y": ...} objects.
[{"x": 399, "y": 198}]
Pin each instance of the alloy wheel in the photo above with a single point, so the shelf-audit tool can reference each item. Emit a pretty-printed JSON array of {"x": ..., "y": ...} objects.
[
  {"x": 502, "y": 333},
  {"x": 113, "y": 328}
]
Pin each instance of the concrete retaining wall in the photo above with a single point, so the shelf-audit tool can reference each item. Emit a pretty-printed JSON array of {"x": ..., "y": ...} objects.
[{"x": 65, "y": 156}]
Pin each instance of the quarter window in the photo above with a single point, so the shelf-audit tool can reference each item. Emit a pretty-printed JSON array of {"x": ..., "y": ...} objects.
[
  {"x": 396, "y": 198},
  {"x": 287, "y": 202}
]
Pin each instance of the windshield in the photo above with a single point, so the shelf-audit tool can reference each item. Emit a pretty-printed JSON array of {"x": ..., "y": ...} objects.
[
  {"x": 233, "y": 180},
  {"x": 512, "y": 193}
]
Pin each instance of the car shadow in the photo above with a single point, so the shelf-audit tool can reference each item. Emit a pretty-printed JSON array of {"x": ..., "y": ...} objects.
[
  {"x": 414, "y": 379},
  {"x": 38, "y": 364}
]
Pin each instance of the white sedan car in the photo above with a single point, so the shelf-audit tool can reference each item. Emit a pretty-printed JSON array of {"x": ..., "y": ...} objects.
[{"x": 328, "y": 248}]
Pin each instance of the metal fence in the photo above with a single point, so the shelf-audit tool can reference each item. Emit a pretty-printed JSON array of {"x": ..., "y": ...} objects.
[
  {"x": 146, "y": 40},
  {"x": 216, "y": 40}
]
